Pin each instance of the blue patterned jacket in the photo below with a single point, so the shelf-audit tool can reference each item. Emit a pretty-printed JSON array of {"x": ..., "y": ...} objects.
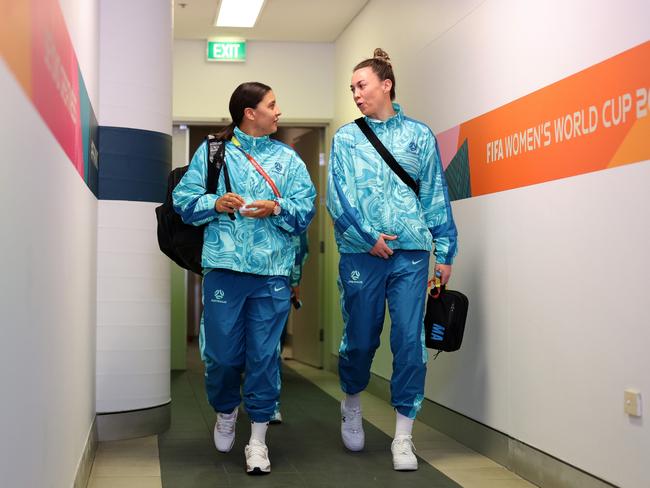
[
  {"x": 366, "y": 198},
  {"x": 259, "y": 246}
]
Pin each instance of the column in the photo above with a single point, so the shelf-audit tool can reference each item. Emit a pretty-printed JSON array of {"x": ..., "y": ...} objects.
[{"x": 133, "y": 276}]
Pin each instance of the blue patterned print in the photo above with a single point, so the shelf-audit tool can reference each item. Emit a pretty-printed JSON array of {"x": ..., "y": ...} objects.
[
  {"x": 366, "y": 198},
  {"x": 259, "y": 246}
]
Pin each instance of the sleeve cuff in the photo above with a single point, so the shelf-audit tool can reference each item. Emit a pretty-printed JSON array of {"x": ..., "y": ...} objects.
[
  {"x": 212, "y": 200},
  {"x": 444, "y": 259}
]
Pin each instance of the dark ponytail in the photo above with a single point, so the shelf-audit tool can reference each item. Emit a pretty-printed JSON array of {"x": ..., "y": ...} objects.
[
  {"x": 226, "y": 133},
  {"x": 246, "y": 95},
  {"x": 380, "y": 64}
]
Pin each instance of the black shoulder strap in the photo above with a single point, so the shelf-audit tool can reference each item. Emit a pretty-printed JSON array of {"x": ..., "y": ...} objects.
[
  {"x": 217, "y": 161},
  {"x": 386, "y": 155}
]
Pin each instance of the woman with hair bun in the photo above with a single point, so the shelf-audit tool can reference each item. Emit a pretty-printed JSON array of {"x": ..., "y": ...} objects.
[
  {"x": 386, "y": 227},
  {"x": 246, "y": 262}
]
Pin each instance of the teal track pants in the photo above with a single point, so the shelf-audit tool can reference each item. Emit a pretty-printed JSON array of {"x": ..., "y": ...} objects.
[{"x": 243, "y": 317}]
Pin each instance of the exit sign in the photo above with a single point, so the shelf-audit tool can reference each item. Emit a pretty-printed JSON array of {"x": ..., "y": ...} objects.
[{"x": 222, "y": 50}]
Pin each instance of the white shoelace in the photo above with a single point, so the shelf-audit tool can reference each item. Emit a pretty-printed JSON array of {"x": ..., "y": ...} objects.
[
  {"x": 404, "y": 445},
  {"x": 226, "y": 425},
  {"x": 352, "y": 419},
  {"x": 257, "y": 449}
]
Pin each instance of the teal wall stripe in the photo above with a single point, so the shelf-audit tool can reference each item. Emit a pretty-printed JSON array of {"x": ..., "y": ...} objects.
[
  {"x": 134, "y": 164},
  {"x": 89, "y": 135}
]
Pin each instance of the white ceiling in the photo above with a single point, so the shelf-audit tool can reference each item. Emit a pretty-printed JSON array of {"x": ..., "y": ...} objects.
[{"x": 280, "y": 20}]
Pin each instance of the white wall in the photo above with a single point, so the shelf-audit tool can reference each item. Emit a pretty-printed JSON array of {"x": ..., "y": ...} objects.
[
  {"x": 47, "y": 294},
  {"x": 557, "y": 272},
  {"x": 133, "y": 309},
  {"x": 135, "y": 64},
  {"x": 82, "y": 21},
  {"x": 301, "y": 75}
]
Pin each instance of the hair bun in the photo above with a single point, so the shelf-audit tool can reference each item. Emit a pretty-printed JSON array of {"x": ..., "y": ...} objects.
[{"x": 381, "y": 54}]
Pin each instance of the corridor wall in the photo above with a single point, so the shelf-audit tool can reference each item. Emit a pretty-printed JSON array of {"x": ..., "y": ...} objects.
[
  {"x": 299, "y": 73},
  {"x": 555, "y": 271},
  {"x": 48, "y": 246}
]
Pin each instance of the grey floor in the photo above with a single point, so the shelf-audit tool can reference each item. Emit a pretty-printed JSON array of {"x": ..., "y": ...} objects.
[{"x": 305, "y": 450}]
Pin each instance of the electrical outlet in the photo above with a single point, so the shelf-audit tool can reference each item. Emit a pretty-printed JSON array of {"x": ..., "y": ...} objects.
[{"x": 632, "y": 402}]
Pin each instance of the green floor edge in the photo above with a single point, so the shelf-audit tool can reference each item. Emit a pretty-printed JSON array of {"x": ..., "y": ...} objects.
[{"x": 305, "y": 451}]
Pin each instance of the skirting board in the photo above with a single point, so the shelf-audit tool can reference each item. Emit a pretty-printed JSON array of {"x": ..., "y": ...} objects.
[
  {"x": 136, "y": 423},
  {"x": 87, "y": 458},
  {"x": 534, "y": 465}
]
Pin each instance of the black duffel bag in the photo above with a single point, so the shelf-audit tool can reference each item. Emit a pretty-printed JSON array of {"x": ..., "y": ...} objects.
[{"x": 181, "y": 242}]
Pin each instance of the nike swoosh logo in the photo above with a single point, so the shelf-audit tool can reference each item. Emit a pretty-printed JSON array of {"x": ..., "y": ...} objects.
[
  {"x": 416, "y": 262},
  {"x": 278, "y": 289}
]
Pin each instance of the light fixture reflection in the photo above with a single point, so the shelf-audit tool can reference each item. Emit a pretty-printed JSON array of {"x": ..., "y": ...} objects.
[{"x": 238, "y": 13}]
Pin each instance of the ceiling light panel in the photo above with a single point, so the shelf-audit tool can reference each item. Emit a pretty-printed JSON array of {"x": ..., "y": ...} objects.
[{"x": 238, "y": 13}]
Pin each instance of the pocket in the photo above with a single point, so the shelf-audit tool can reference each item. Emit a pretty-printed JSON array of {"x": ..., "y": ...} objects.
[{"x": 280, "y": 294}]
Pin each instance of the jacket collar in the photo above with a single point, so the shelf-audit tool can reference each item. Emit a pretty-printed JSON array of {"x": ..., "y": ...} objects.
[
  {"x": 248, "y": 143},
  {"x": 393, "y": 121}
]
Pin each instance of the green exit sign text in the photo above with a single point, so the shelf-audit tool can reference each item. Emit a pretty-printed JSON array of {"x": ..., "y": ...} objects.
[{"x": 226, "y": 50}]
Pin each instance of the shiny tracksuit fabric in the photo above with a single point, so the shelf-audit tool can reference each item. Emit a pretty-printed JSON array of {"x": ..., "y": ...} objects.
[
  {"x": 366, "y": 198},
  {"x": 247, "y": 263}
]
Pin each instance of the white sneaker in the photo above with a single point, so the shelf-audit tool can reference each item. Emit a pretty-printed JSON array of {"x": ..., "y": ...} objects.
[
  {"x": 276, "y": 418},
  {"x": 257, "y": 458},
  {"x": 403, "y": 457},
  {"x": 224, "y": 431},
  {"x": 352, "y": 428}
]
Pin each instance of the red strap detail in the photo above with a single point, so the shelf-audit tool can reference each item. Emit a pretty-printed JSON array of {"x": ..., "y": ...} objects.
[{"x": 261, "y": 171}]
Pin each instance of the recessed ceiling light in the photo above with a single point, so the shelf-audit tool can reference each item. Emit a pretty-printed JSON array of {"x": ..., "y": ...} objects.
[{"x": 238, "y": 13}]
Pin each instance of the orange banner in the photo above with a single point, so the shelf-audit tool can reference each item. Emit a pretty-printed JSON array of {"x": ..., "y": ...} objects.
[
  {"x": 590, "y": 121},
  {"x": 16, "y": 40}
]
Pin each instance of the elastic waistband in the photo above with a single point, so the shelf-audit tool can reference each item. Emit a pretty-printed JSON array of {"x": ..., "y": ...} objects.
[{"x": 240, "y": 273}]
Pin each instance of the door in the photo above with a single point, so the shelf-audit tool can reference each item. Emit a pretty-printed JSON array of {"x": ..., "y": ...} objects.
[{"x": 307, "y": 322}]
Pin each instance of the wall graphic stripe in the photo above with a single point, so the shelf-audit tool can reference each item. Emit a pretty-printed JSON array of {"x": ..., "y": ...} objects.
[
  {"x": 36, "y": 46},
  {"x": 135, "y": 164},
  {"x": 595, "y": 119}
]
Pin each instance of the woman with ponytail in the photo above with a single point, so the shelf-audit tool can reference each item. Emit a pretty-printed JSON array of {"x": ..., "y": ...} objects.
[
  {"x": 386, "y": 227},
  {"x": 246, "y": 263}
]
